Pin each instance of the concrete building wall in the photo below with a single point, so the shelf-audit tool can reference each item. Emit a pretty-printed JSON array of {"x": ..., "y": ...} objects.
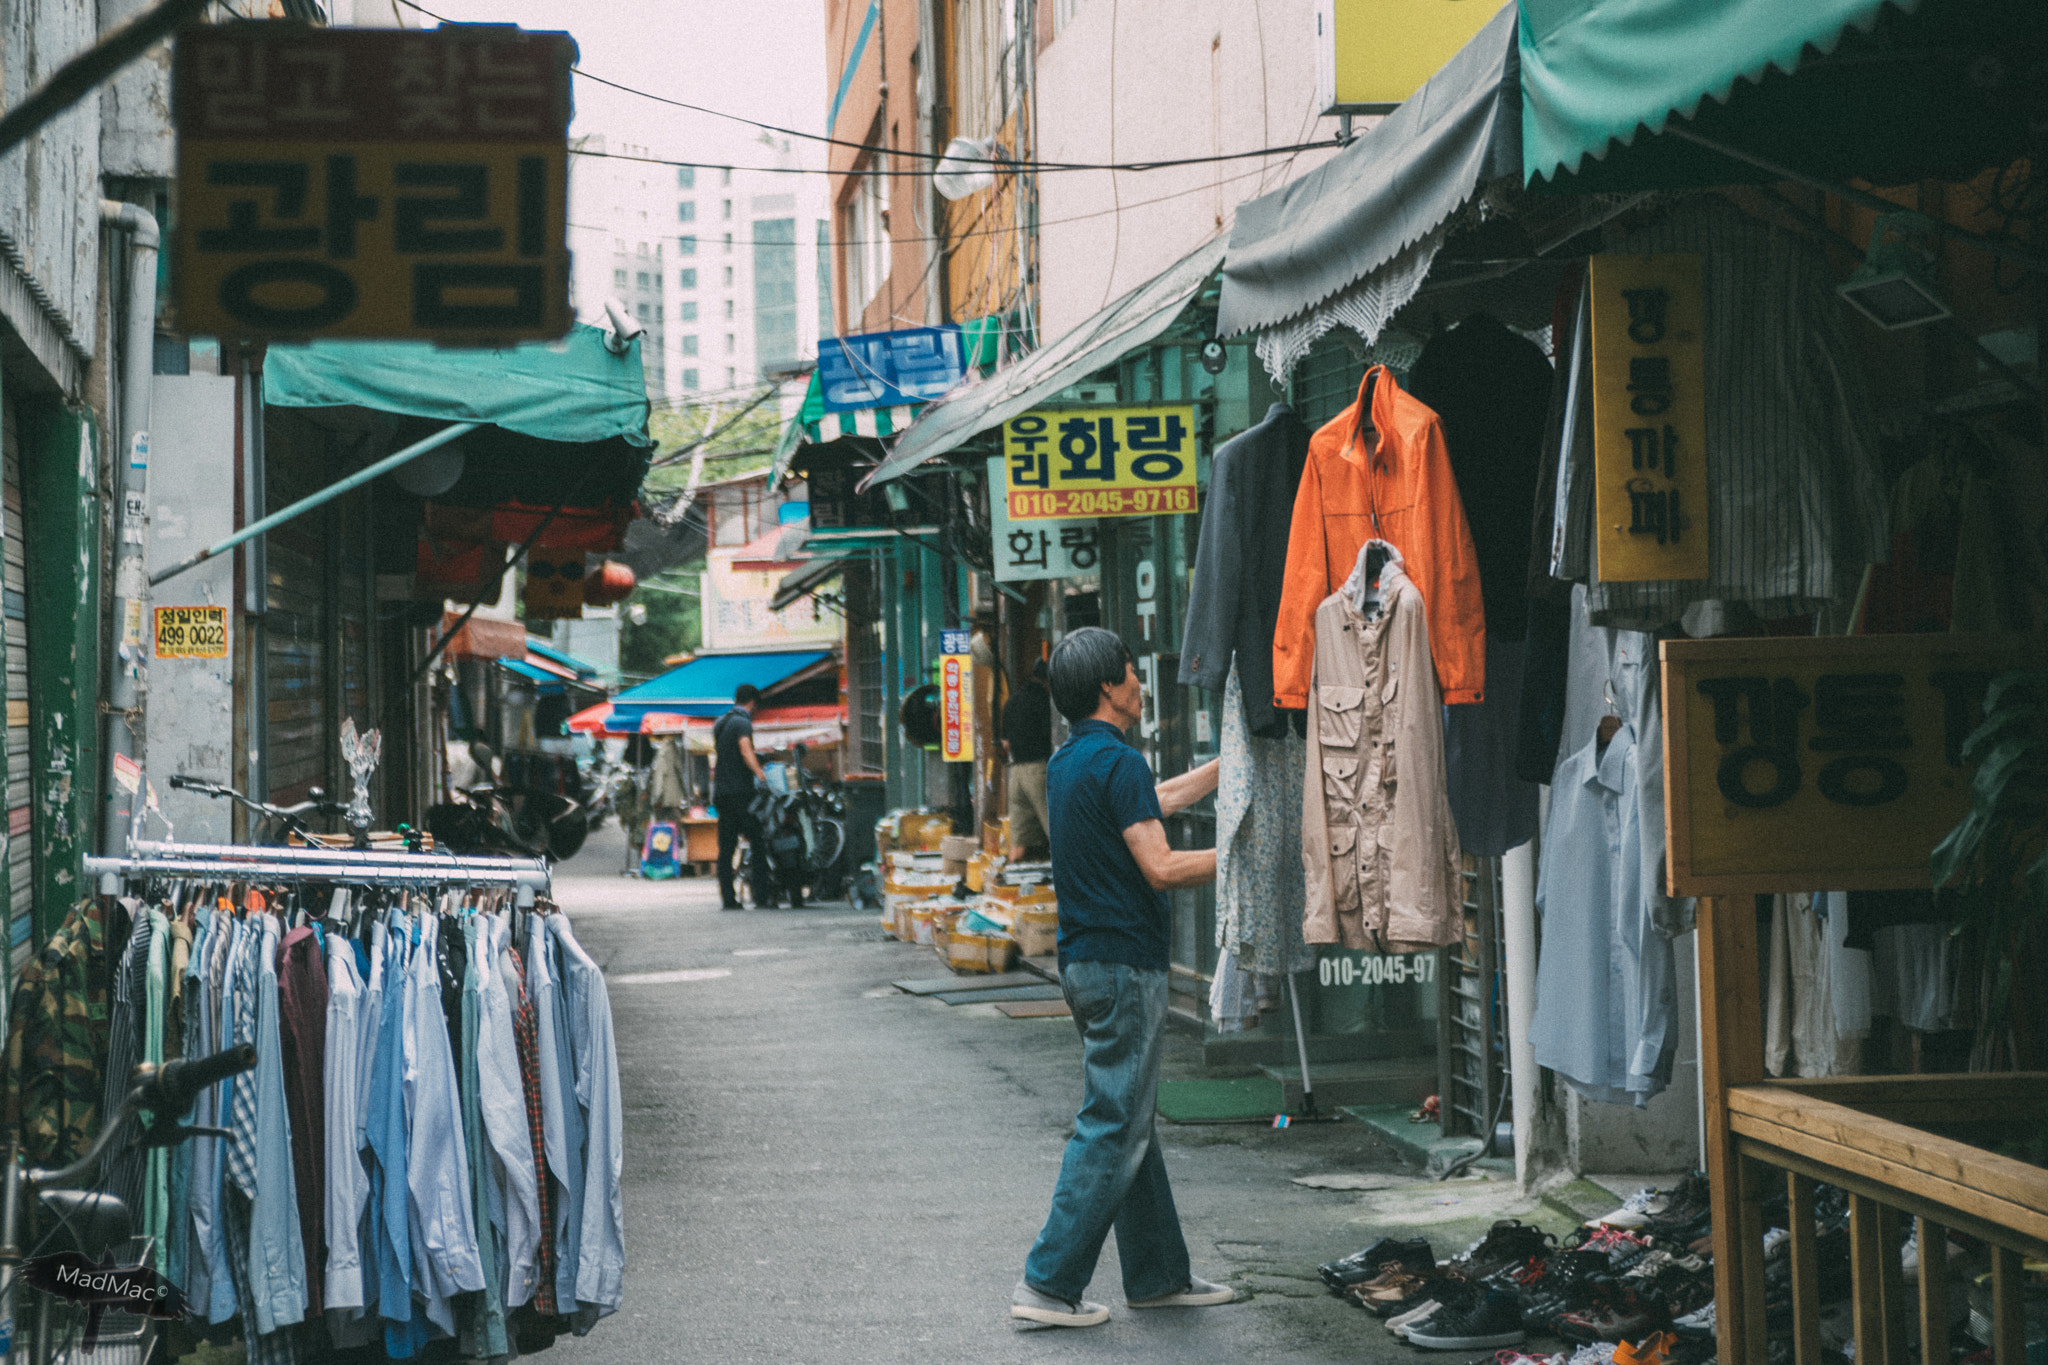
[
  {"x": 874, "y": 52},
  {"x": 50, "y": 190},
  {"x": 1155, "y": 79}
]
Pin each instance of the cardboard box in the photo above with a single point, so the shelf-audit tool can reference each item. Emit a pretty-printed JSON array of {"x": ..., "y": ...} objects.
[
  {"x": 980, "y": 952},
  {"x": 1036, "y": 929}
]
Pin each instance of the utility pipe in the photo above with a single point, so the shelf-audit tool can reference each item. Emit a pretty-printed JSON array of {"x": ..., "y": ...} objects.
[
  {"x": 1518, "y": 915},
  {"x": 324, "y": 496},
  {"x": 131, "y": 524}
]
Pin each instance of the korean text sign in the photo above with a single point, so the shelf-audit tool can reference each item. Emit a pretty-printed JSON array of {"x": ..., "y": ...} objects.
[
  {"x": 1830, "y": 762},
  {"x": 1649, "y": 418},
  {"x": 1100, "y": 462},
  {"x": 191, "y": 632},
  {"x": 372, "y": 182},
  {"x": 956, "y": 696},
  {"x": 890, "y": 369},
  {"x": 1039, "y": 549}
]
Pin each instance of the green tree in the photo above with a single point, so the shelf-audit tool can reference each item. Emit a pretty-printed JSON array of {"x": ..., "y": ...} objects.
[{"x": 674, "y": 624}]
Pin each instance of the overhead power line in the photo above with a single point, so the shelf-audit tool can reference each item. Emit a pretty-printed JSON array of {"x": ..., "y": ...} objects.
[{"x": 933, "y": 158}]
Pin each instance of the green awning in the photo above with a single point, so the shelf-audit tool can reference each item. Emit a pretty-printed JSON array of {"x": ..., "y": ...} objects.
[
  {"x": 1888, "y": 91},
  {"x": 572, "y": 390}
]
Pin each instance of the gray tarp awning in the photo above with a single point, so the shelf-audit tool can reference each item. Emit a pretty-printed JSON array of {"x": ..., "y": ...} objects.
[
  {"x": 1352, "y": 240},
  {"x": 1117, "y": 330}
]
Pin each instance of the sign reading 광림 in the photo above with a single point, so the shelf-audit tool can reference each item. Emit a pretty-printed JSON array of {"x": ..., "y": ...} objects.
[
  {"x": 191, "y": 632},
  {"x": 1100, "y": 462},
  {"x": 372, "y": 182},
  {"x": 1821, "y": 762}
]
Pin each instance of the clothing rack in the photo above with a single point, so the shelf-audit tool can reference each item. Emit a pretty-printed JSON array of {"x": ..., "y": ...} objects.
[{"x": 246, "y": 862}]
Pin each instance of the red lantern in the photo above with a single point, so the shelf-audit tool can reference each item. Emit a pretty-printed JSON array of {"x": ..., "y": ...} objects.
[{"x": 612, "y": 582}]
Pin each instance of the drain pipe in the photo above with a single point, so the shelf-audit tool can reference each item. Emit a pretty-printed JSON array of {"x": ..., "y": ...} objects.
[{"x": 124, "y": 736}]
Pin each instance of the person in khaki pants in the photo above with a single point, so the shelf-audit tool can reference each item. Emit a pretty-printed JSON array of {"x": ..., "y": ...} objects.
[{"x": 1027, "y": 744}]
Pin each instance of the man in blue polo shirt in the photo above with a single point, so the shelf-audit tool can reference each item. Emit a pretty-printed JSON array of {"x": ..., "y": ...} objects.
[{"x": 1112, "y": 867}]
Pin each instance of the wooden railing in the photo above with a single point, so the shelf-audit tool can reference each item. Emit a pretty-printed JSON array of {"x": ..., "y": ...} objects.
[{"x": 1866, "y": 1136}]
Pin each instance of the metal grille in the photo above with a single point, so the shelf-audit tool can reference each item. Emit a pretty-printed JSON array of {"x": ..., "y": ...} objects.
[
  {"x": 1326, "y": 380},
  {"x": 1472, "y": 1014},
  {"x": 864, "y": 668}
]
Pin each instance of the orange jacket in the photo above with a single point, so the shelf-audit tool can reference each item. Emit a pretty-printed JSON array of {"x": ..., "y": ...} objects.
[{"x": 1401, "y": 491}]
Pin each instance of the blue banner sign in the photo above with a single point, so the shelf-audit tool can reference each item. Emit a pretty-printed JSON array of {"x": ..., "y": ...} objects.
[{"x": 890, "y": 369}]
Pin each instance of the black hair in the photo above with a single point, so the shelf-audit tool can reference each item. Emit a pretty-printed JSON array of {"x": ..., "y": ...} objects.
[
  {"x": 1083, "y": 663},
  {"x": 745, "y": 694},
  {"x": 1038, "y": 671}
]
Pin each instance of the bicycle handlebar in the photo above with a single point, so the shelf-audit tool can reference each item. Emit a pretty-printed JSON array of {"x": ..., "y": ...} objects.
[{"x": 176, "y": 1084}]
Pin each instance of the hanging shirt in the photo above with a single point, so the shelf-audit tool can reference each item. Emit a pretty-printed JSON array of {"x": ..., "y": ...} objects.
[
  {"x": 385, "y": 1133},
  {"x": 195, "y": 1040},
  {"x": 601, "y": 1248},
  {"x": 302, "y": 1030},
  {"x": 502, "y": 1098},
  {"x": 227, "y": 964},
  {"x": 1398, "y": 487},
  {"x": 346, "y": 1190},
  {"x": 526, "y": 1031},
  {"x": 1378, "y": 844},
  {"x": 156, "y": 1175},
  {"x": 56, "y": 1035},
  {"x": 445, "y": 1258},
  {"x": 484, "y": 1332},
  {"x": 1605, "y": 1000},
  {"x": 562, "y": 1117},
  {"x": 1796, "y": 493},
  {"x": 277, "y": 1255}
]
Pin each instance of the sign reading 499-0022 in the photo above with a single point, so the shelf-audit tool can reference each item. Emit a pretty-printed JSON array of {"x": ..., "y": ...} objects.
[
  {"x": 372, "y": 182},
  {"x": 1100, "y": 462}
]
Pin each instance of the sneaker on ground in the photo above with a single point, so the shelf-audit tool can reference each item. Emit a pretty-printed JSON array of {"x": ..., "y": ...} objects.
[
  {"x": 1493, "y": 1321},
  {"x": 1031, "y": 1306},
  {"x": 1414, "y": 1253},
  {"x": 1200, "y": 1293},
  {"x": 1696, "y": 1324},
  {"x": 1414, "y": 1317},
  {"x": 1593, "y": 1353},
  {"x": 1636, "y": 1210}
]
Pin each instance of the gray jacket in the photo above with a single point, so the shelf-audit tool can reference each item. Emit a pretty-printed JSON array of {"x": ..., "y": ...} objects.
[{"x": 1241, "y": 563}]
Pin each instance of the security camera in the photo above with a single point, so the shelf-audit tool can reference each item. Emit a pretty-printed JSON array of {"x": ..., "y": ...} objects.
[
  {"x": 624, "y": 326},
  {"x": 1214, "y": 357}
]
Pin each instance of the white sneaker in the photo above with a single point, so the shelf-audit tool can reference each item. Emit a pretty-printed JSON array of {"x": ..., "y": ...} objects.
[
  {"x": 1200, "y": 1293},
  {"x": 1595, "y": 1353},
  {"x": 1030, "y": 1305},
  {"x": 1419, "y": 1314},
  {"x": 1635, "y": 1211}
]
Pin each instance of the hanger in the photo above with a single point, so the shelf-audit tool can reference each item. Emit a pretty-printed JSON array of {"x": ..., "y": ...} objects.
[{"x": 1610, "y": 725}]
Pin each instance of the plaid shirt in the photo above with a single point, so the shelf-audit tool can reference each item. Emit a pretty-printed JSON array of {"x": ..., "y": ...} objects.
[
  {"x": 57, "y": 1033},
  {"x": 526, "y": 1029}
]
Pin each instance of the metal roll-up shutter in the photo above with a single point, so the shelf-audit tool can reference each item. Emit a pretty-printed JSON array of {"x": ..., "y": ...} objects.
[{"x": 14, "y": 605}]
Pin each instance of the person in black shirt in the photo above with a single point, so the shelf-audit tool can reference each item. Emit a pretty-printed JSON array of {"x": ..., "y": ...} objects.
[
  {"x": 1027, "y": 744},
  {"x": 734, "y": 771}
]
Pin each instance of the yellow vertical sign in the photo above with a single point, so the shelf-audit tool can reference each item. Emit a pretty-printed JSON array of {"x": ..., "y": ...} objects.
[
  {"x": 956, "y": 696},
  {"x": 1649, "y": 418}
]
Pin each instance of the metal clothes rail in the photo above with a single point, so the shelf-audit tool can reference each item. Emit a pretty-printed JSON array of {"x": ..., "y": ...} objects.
[{"x": 249, "y": 862}]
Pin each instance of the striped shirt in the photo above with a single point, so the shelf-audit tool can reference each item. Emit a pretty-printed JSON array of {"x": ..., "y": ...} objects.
[{"x": 1796, "y": 503}]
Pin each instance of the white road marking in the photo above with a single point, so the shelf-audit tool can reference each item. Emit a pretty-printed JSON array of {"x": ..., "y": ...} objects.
[
  {"x": 757, "y": 952},
  {"x": 665, "y": 978}
]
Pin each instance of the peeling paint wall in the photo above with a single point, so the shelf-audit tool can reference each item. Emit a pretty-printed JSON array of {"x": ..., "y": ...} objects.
[
  {"x": 135, "y": 106},
  {"x": 191, "y": 716},
  {"x": 50, "y": 183}
]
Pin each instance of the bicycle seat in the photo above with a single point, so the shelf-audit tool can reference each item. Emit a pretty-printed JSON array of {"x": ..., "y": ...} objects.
[{"x": 89, "y": 1222}]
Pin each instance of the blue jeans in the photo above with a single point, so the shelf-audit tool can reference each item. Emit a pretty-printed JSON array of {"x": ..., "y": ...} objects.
[{"x": 1114, "y": 1174}]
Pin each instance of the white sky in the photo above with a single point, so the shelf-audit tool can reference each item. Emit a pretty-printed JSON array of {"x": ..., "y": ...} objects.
[{"x": 762, "y": 59}]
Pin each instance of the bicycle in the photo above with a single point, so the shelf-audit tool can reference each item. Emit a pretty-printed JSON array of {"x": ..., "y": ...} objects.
[
  {"x": 93, "y": 1224},
  {"x": 279, "y": 822}
]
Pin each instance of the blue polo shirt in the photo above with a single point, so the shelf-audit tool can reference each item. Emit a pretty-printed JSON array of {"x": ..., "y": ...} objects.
[{"x": 1096, "y": 787}]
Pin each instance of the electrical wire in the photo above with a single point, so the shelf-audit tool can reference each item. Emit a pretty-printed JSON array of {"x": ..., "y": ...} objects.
[{"x": 995, "y": 162}]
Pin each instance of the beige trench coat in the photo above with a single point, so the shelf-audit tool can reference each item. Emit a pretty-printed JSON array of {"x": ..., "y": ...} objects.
[{"x": 1377, "y": 839}]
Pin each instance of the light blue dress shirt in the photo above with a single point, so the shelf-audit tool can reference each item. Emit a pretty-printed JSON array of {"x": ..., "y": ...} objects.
[
  {"x": 562, "y": 1127},
  {"x": 348, "y": 1184},
  {"x": 209, "y": 1212},
  {"x": 601, "y": 1245},
  {"x": 443, "y": 1226},
  {"x": 277, "y": 1251}
]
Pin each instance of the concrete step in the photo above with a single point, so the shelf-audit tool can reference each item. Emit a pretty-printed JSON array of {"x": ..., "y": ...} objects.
[
  {"x": 1390, "y": 1081},
  {"x": 1422, "y": 1143}
]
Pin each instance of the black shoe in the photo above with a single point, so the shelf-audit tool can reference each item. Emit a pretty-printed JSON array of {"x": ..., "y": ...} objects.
[
  {"x": 1413, "y": 1253},
  {"x": 1491, "y": 1323},
  {"x": 730, "y": 905}
]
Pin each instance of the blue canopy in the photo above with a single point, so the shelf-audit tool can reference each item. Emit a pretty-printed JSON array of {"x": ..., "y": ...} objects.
[
  {"x": 704, "y": 686},
  {"x": 582, "y": 668}
]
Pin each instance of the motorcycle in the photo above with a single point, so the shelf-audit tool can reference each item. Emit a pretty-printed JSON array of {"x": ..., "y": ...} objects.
[
  {"x": 489, "y": 820},
  {"x": 803, "y": 828}
]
